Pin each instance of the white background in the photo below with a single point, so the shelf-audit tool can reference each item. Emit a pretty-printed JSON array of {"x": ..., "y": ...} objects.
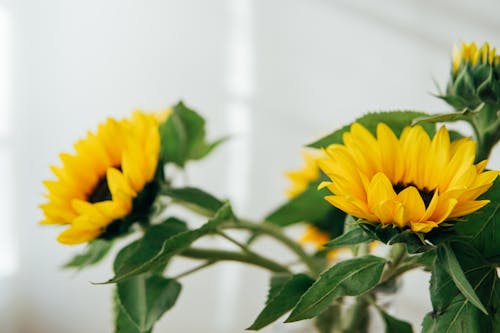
[{"x": 273, "y": 73}]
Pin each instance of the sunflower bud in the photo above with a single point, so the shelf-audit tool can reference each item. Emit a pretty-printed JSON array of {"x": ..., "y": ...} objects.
[
  {"x": 475, "y": 77},
  {"x": 474, "y": 84}
]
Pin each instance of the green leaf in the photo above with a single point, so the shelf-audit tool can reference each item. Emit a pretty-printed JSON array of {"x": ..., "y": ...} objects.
[
  {"x": 308, "y": 206},
  {"x": 149, "y": 245},
  {"x": 482, "y": 229},
  {"x": 95, "y": 251},
  {"x": 145, "y": 299},
  {"x": 452, "y": 311},
  {"x": 148, "y": 257},
  {"x": 200, "y": 199},
  {"x": 465, "y": 115},
  {"x": 183, "y": 136},
  {"x": 392, "y": 324},
  {"x": 396, "y": 120},
  {"x": 122, "y": 322},
  {"x": 347, "y": 278},
  {"x": 283, "y": 300},
  {"x": 448, "y": 260},
  {"x": 276, "y": 284},
  {"x": 353, "y": 236},
  {"x": 460, "y": 317}
]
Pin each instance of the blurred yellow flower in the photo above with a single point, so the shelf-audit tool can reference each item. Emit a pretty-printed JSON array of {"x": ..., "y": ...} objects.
[
  {"x": 300, "y": 179},
  {"x": 411, "y": 182},
  {"x": 97, "y": 185},
  {"x": 470, "y": 53}
]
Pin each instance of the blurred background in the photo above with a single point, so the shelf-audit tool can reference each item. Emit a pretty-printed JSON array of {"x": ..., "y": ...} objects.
[{"x": 275, "y": 74}]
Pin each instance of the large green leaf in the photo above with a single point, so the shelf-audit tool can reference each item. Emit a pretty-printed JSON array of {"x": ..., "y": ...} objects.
[
  {"x": 95, "y": 251},
  {"x": 283, "y": 300},
  {"x": 460, "y": 317},
  {"x": 198, "y": 199},
  {"x": 146, "y": 258},
  {"x": 396, "y": 120},
  {"x": 452, "y": 311},
  {"x": 447, "y": 259},
  {"x": 183, "y": 136},
  {"x": 144, "y": 299},
  {"x": 347, "y": 278},
  {"x": 122, "y": 321},
  {"x": 482, "y": 229},
  {"x": 149, "y": 245},
  {"x": 308, "y": 206}
]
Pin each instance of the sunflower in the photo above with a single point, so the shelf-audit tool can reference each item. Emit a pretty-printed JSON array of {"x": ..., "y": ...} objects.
[
  {"x": 471, "y": 54},
  {"x": 98, "y": 184},
  {"x": 410, "y": 182},
  {"x": 300, "y": 179}
]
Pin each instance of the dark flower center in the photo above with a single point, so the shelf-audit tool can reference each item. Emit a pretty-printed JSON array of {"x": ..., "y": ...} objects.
[
  {"x": 101, "y": 191},
  {"x": 425, "y": 194}
]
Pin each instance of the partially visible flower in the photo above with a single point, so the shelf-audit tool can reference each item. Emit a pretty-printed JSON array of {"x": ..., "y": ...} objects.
[
  {"x": 315, "y": 236},
  {"x": 411, "y": 182},
  {"x": 300, "y": 179},
  {"x": 97, "y": 185},
  {"x": 469, "y": 53}
]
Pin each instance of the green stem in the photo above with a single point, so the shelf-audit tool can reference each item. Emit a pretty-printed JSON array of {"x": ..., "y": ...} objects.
[
  {"x": 277, "y": 233},
  {"x": 222, "y": 255},
  {"x": 193, "y": 270},
  {"x": 396, "y": 255},
  {"x": 243, "y": 247},
  {"x": 357, "y": 318}
]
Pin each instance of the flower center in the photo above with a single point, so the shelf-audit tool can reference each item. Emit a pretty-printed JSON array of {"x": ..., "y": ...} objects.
[
  {"x": 101, "y": 191},
  {"x": 425, "y": 194}
]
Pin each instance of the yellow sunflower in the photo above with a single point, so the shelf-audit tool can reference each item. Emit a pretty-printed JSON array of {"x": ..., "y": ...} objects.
[
  {"x": 97, "y": 185},
  {"x": 300, "y": 179},
  {"x": 470, "y": 53},
  {"x": 413, "y": 181}
]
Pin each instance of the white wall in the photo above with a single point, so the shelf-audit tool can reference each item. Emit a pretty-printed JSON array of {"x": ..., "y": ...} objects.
[{"x": 276, "y": 73}]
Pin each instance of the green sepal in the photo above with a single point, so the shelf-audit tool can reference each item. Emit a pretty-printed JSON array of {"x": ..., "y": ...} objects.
[
  {"x": 183, "y": 137},
  {"x": 396, "y": 120},
  {"x": 354, "y": 236},
  {"x": 282, "y": 298},
  {"x": 347, "y": 278},
  {"x": 95, "y": 251},
  {"x": 390, "y": 234}
]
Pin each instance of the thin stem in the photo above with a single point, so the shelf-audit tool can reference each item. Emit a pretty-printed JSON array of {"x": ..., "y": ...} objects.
[
  {"x": 222, "y": 255},
  {"x": 396, "y": 255},
  {"x": 193, "y": 270},
  {"x": 242, "y": 246},
  {"x": 277, "y": 233}
]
